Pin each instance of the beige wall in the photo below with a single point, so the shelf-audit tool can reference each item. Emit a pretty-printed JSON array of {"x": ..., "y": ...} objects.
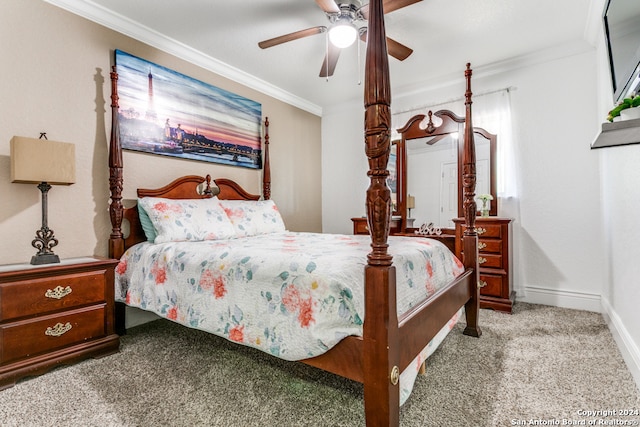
[{"x": 55, "y": 79}]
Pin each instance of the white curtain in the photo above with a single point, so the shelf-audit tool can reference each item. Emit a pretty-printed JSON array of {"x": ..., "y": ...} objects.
[{"x": 491, "y": 111}]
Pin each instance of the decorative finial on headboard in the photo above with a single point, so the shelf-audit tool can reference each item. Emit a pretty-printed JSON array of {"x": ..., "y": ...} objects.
[
  {"x": 207, "y": 189},
  {"x": 430, "y": 126}
]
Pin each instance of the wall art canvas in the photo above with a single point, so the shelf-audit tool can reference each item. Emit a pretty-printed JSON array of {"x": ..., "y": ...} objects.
[{"x": 165, "y": 112}]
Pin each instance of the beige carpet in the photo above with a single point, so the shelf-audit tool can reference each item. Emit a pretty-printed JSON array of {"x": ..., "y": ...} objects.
[{"x": 541, "y": 364}]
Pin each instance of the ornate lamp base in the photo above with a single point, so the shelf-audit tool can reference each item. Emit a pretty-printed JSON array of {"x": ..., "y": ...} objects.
[
  {"x": 45, "y": 240},
  {"x": 40, "y": 259}
]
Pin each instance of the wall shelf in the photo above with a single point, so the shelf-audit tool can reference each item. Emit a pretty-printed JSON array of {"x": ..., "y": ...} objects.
[{"x": 625, "y": 132}]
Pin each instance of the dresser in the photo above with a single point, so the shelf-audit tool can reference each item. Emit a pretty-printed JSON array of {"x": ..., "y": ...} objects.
[
  {"x": 360, "y": 225},
  {"x": 55, "y": 314},
  {"x": 494, "y": 258}
]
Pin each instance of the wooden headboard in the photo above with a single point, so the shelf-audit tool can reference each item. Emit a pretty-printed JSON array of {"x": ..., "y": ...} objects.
[{"x": 186, "y": 187}]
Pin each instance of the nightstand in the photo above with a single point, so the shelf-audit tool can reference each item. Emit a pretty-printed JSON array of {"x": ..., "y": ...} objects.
[{"x": 55, "y": 314}]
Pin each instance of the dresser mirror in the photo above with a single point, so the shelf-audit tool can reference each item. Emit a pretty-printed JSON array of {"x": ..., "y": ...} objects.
[
  {"x": 392, "y": 180},
  {"x": 429, "y": 170}
]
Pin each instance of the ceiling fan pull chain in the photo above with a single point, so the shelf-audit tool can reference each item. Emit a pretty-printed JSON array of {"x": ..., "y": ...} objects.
[
  {"x": 359, "y": 67},
  {"x": 326, "y": 53}
]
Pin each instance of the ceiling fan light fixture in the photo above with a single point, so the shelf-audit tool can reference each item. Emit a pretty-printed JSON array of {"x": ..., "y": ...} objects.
[{"x": 343, "y": 34}]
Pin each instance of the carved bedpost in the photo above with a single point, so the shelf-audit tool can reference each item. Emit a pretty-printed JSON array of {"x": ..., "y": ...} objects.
[
  {"x": 266, "y": 172},
  {"x": 470, "y": 237},
  {"x": 381, "y": 335},
  {"x": 116, "y": 239},
  {"x": 378, "y": 141},
  {"x": 469, "y": 163}
]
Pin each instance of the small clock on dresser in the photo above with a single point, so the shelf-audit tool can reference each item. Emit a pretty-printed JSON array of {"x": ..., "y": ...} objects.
[{"x": 55, "y": 314}]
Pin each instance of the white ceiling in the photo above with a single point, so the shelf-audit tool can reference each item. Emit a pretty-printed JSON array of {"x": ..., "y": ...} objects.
[{"x": 444, "y": 34}]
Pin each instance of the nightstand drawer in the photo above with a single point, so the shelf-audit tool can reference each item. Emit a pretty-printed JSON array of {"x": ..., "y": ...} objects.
[
  {"x": 43, "y": 334},
  {"x": 491, "y": 285},
  {"x": 44, "y": 295}
]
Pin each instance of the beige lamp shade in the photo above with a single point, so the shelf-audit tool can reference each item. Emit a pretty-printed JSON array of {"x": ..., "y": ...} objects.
[
  {"x": 40, "y": 160},
  {"x": 411, "y": 202}
]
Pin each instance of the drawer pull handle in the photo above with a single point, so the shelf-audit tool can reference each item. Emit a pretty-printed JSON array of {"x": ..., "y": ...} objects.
[
  {"x": 481, "y": 260},
  {"x": 482, "y": 284},
  {"x": 394, "y": 377},
  {"x": 58, "y": 329},
  {"x": 481, "y": 230},
  {"x": 58, "y": 292},
  {"x": 481, "y": 246}
]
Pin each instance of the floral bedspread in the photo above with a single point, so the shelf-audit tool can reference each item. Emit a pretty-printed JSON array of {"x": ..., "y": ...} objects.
[{"x": 293, "y": 295}]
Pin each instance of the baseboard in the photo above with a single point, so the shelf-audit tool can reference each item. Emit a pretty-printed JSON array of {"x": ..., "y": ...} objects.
[
  {"x": 560, "y": 298},
  {"x": 629, "y": 350}
]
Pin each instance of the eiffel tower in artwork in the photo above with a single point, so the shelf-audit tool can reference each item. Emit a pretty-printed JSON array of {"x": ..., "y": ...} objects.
[{"x": 151, "y": 114}]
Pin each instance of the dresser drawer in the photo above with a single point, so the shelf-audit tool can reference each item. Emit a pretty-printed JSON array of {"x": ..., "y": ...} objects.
[
  {"x": 360, "y": 226},
  {"x": 490, "y": 261},
  {"x": 44, "y": 295},
  {"x": 487, "y": 230},
  {"x": 489, "y": 246},
  {"x": 491, "y": 285},
  {"x": 43, "y": 334}
]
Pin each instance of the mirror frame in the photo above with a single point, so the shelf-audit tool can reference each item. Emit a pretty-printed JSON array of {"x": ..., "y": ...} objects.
[{"x": 450, "y": 123}]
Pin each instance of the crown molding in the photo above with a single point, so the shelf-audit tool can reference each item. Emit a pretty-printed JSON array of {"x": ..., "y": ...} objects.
[
  {"x": 121, "y": 24},
  {"x": 501, "y": 67}
]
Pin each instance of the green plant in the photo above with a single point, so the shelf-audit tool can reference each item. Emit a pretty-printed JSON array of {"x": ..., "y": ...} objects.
[{"x": 632, "y": 101}]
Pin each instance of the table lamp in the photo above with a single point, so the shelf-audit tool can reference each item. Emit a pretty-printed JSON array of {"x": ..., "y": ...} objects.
[
  {"x": 46, "y": 163},
  {"x": 411, "y": 203}
]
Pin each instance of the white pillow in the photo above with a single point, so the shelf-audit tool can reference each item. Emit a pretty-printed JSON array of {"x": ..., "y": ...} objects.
[
  {"x": 187, "y": 219},
  {"x": 253, "y": 217}
]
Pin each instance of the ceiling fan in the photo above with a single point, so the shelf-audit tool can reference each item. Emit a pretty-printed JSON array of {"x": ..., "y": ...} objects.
[{"x": 343, "y": 31}]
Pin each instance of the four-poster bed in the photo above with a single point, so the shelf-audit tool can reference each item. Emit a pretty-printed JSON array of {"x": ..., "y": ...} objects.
[{"x": 389, "y": 342}]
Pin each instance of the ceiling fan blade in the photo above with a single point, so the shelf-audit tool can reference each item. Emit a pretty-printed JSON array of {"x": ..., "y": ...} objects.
[
  {"x": 391, "y": 5},
  {"x": 388, "y": 6},
  {"x": 330, "y": 61},
  {"x": 328, "y": 6},
  {"x": 394, "y": 48},
  {"x": 292, "y": 36},
  {"x": 398, "y": 50}
]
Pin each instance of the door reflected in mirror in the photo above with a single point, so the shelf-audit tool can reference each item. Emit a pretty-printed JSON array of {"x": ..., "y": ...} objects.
[
  {"x": 429, "y": 168},
  {"x": 432, "y": 177}
]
